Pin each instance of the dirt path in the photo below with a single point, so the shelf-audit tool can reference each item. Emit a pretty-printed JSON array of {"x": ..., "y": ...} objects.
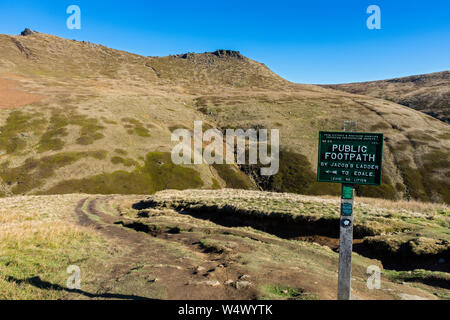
[
  {"x": 160, "y": 260},
  {"x": 181, "y": 277}
]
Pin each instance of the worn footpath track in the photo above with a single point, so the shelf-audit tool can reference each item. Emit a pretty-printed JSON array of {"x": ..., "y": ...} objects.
[{"x": 205, "y": 277}]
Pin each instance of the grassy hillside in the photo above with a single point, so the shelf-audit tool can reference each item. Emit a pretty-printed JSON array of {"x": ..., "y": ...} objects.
[
  {"x": 80, "y": 117},
  {"x": 429, "y": 93}
]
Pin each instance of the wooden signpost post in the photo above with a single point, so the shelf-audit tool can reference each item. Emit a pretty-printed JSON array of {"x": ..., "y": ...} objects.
[{"x": 348, "y": 158}]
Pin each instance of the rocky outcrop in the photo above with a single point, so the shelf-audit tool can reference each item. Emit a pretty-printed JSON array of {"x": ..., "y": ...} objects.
[
  {"x": 27, "y": 32},
  {"x": 228, "y": 53},
  {"x": 221, "y": 53}
]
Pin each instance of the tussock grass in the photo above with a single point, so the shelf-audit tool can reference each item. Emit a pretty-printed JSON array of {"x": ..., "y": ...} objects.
[
  {"x": 136, "y": 127},
  {"x": 158, "y": 173},
  {"x": 121, "y": 152},
  {"x": 33, "y": 172},
  {"x": 425, "y": 92},
  {"x": 277, "y": 292},
  {"x": 412, "y": 205},
  {"x": 18, "y": 123},
  {"x": 400, "y": 219},
  {"x": 127, "y": 162},
  {"x": 38, "y": 240},
  {"x": 233, "y": 177}
]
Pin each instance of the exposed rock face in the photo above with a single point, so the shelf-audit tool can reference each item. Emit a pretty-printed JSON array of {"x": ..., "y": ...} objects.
[
  {"x": 27, "y": 32},
  {"x": 221, "y": 53},
  {"x": 185, "y": 55},
  {"x": 228, "y": 53}
]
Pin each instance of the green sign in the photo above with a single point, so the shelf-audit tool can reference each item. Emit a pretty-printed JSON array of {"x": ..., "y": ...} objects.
[
  {"x": 347, "y": 208},
  {"x": 347, "y": 192},
  {"x": 350, "y": 157}
]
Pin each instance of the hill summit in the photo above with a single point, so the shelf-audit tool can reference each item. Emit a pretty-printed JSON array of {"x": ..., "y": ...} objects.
[
  {"x": 78, "y": 117},
  {"x": 27, "y": 32}
]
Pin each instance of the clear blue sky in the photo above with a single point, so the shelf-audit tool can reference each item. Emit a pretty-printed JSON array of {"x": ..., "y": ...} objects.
[{"x": 303, "y": 41}]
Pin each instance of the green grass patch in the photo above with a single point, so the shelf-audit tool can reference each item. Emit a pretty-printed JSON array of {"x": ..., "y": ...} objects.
[
  {"x": 386, "y": 190},
  {"x": 436, "y": 279},
  {"x": 418, "y": 274},
  {"x": 59, "y": 120},
  {"x": 142, "y": 131},
  {"x": 34, "y": 267},
  {"x": 413, "y": 182},
  {"x": 33, "y": 172},
  {"x": 295, "y": 174},
  {"x": 281, "y": 292},
  {"x": 50, "y": 140},
  {"x": 215, "y": 184},
  {"x": 324, "y": 188},
  {"x": 127, "y": 162},
  {"x": 234, "y": 178},
  {"x": 136, "y": 127},
  {"x": 108, "y": 121},
  {"x": 121, "y": 152},
  {"x": 437, "y": 160},
  {"x": 212, "y": 245},
  {"x": 423, "y": 184},
  {"x": 433, "y": 162},
  {"x": 18, "y": 124},
  {"x": 89, "y": 129},
  {"x": 158, "y": 173}
]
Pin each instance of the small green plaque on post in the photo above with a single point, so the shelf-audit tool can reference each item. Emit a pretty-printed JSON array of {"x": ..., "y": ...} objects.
[
  {"x": 347, "y": 192},
  {"x": 347, "y": 208}
]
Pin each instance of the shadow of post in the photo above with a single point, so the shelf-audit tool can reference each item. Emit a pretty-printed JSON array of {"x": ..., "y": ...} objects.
[{"x": 41, "y": 284}]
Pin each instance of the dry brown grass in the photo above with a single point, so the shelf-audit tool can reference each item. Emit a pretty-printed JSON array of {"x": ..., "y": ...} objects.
[
  {"x": 13, "y": 96},
  {"x": 40, "y": 237},
  {"x": 249, "y": 194},
  {"x": 428, "y": 93},
  {"x": 417, "y": 206},
  {"x": 23, "y": 218}
]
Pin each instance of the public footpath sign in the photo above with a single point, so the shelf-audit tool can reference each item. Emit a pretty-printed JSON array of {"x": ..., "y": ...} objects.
[{"x": 349, "y": 158}]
